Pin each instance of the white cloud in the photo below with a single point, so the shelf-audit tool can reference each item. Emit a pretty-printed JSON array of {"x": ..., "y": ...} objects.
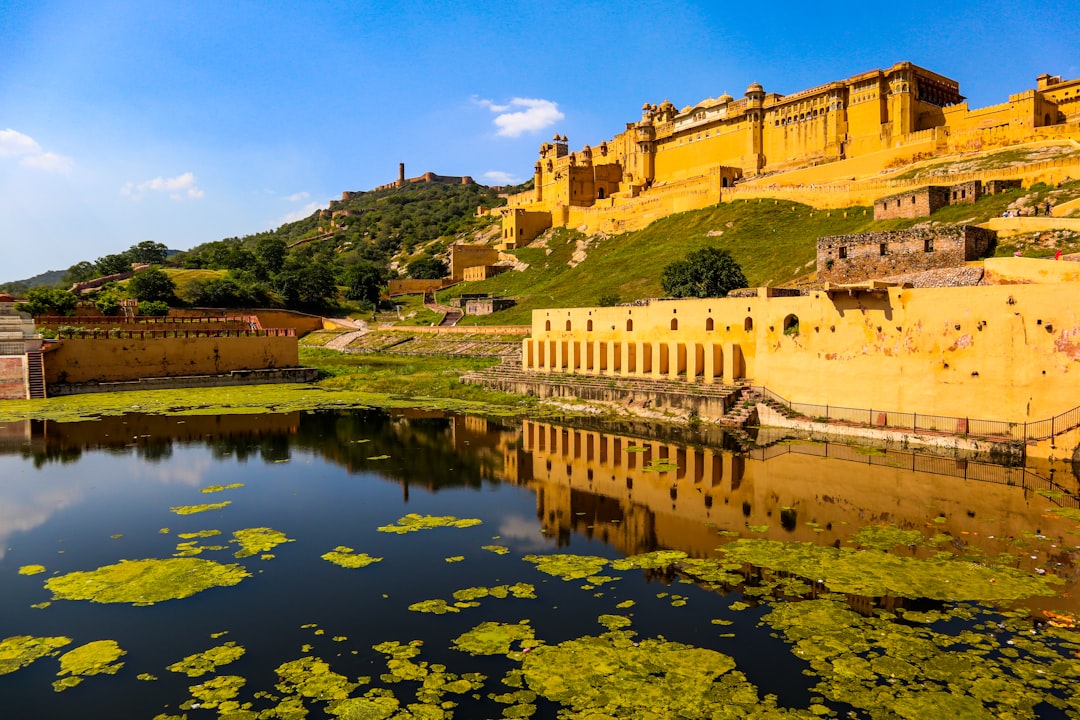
[
  {"x": 534, "y": 114},
  {"x": 49, "y": 162},
  {"x": 500, "y": 178},
  {"x": 299, "y": 213},
  {"x": 16, "y": 144},
  {"x": 13, "y": 142},
  {"x": 297, "y": 197},
  {"x": 177, "y": 187}
]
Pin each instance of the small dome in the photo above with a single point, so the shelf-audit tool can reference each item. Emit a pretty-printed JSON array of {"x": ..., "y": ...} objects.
[
  {"x": 724, "y": 99},
  {"x": 754, "y": 87}
]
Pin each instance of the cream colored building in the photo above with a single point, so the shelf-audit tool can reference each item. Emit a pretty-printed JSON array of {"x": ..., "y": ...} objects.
[{"x": 1007, "y": 352}]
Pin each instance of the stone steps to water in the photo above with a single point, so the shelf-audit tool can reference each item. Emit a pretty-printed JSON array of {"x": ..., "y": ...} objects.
[{"x": 35, "y": 375}]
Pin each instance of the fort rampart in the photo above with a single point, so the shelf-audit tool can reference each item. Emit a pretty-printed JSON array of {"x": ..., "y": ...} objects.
[{"x": 863, "y": 256}]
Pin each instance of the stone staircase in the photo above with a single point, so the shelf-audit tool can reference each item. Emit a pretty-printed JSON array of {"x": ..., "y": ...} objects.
[{"x": 35, "y": 370}]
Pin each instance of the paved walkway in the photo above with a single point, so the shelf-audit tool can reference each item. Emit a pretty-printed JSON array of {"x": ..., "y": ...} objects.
[{"x": 342, "y": 341}]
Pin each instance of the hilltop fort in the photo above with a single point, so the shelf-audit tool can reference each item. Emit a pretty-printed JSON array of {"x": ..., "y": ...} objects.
[{"x": 672, "y": 160}]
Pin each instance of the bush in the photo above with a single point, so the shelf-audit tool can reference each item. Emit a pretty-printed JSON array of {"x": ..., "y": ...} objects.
[
  {"x": 154, "y": 307},
  {"x": 709, "y": 272}
]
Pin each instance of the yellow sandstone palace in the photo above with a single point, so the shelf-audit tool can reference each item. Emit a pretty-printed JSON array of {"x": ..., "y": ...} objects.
[{"x": 673, "y": 160}]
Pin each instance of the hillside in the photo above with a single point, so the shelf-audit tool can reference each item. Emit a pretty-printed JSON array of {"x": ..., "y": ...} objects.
[{"x": 773, "y": 240}]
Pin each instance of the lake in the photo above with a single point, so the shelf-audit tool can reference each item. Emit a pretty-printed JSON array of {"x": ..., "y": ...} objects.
[{"x": 413, "y": 564}]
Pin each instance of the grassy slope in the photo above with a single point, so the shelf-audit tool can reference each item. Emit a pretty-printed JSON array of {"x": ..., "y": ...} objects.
[{"x": 773, "y": 241}]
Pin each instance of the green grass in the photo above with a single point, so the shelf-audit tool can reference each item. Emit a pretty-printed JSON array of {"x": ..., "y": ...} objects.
[{"x": 773, "y": 241}]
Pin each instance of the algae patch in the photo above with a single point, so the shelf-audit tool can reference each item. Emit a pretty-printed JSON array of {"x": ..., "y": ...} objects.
[
  {"x": 221, "y": 488},
  {"x": 208, "y": 661},
  {"x": 31, "y": 569},
  {"x": 347, "y": 557},
  {"x": 493, "y": 638},
  {"x": 414, "y": 523},
  {"x": 568, "y": 567},
  {"x": 21, "y": 650},
  {"x": 144, "y": 582},
  {"x": 192, "y": 509},
  {"x": 94, "y": 658},
  {"x": 253, "y": 541}
]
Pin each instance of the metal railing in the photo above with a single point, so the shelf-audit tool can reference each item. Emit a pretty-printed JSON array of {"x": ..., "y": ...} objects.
[{"x": 924, "y": 422}]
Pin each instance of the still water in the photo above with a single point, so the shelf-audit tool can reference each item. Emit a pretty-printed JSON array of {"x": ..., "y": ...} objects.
[{"x": 778, "y": 600}]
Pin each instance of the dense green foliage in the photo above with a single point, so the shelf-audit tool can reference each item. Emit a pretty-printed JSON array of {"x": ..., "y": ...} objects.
[
  {"x": 153, "y": 284},
  {"x": 48, "y": 301},
  {"x": 708, "y": 272}
]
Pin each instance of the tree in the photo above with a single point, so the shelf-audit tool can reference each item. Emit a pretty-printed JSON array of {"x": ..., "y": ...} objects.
[
  {"x": 113, "y": 264},
  {"x": 364, "y": 281},
  {"x": 221, "y": 293},
  {"x": 153, "y": 307},
  {"x": 80, "y": 272},
  {"x": 270, "y": 252},
  {"x": 48, "y": 301},
  {"x": 307, "y": 287},
  {"x": 709, "y": 272},
  {"x": 153, "y": 284},
  {"x": 148, "y": 251},
  {"x": 428, "y": 268}
]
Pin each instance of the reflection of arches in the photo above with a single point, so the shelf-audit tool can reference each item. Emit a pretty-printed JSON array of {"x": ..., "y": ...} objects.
[
  {"x": 674, "y": 323},
  {"x": 1046, "y": 119},
  {"x": 723, "y": 183},
  {"x": 791, "y": 325},
  {"x": 600, "y": 194},
  {"x": 568, "y": 325},
  {"x": 629, "y": 325},
  {"x": 588, "y": 326},
  {"x": 748, "y": 324},
  {"x": 708, "y": 324}
]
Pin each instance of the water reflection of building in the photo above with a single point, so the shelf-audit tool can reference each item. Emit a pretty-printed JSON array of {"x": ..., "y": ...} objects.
[
  {"x": 598, "y": 484},
  {"x": 149, "y": 436}
]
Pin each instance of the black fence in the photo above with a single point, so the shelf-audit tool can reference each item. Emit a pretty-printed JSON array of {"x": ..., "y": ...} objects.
[{"x": 920, "y": 422}]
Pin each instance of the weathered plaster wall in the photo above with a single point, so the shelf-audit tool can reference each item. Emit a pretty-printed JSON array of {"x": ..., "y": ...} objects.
[
  {"x": 102, "y": 360},
  {"x": 13, "y": 377},
  {"x": 1007, "y": 352}
]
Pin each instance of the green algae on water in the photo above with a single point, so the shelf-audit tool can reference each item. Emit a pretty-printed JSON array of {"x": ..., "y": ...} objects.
[
  {"x": 876, "y": 573},
  {"x": 568, "y": 567},
  {"x": 253, "y": 541},
  {"x": 518, "y": 590},
  {"x": 885, "y": 537},
  {"x": 217, "y": 692},
  {"x": 192, "y": 509},
  {"x": 312, "y": 677},
  {"x": 438, "y": 607},
  {"x": 494, "y": 638},
  {"x": 31, "y": 569},
  {"x": 144, "y": 582},
  {"x": 94, "y": 658},
  {"x": 497, "y": 549},
  {"x": 414, "y": 523},
  {"x": 208, "y": 661},
  {"x": 454, "y": 558},
  {"x": 21, "y": 650},
  {"x": 221, "y": 488},
  {"x": 649, "y": 561},
  {"x": 198, "y": 534},
  {"x": 347, "y": 557}
]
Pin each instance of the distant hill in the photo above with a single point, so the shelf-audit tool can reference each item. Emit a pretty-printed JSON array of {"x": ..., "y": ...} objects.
[{"x": 48, "y": 278}]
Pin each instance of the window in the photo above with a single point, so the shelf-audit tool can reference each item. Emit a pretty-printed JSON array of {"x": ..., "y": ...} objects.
[
  {"x": 588, "y": 327},
  {"x": 547, "y": 325},
  {"x": 674, "y": 323},
  {"x": 748, "y": 324},
  {"x": 567, "y": 325},
  {"x": 842, "y": 252},
  {"x": 629, "y": 325},
  {"x": 791, "y": 325},
  {"x": 928, "y": 245},
  {"x": 708, "y": 324},
  {"x": 883, "y": 249}
]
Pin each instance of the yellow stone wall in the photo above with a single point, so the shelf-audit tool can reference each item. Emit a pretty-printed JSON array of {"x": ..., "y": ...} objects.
[
  {"x": 881, "y": 117},
  {"x": 1006, "y": 352}
]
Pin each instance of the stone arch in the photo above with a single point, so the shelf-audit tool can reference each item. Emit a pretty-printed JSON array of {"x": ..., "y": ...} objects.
[
  {"x": 629, "y": 325},
  {"x": 600, "y": 194},
  {"x": 709, "y": 324},
  {"x": 1046, "y": 119},
  {"x": 567, "y": 325},
  {"x": 748, "y": 324},
  {"x": 674, "y": 323},
  {"x": 547, "y": 325}
]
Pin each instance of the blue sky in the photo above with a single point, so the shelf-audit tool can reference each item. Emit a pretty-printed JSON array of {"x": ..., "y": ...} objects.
[{"x": 187, "y": 122}]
